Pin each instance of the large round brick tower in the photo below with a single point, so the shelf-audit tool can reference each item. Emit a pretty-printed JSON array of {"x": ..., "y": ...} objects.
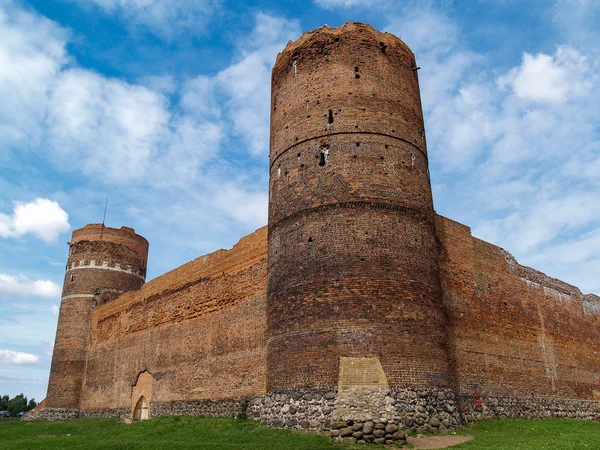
[
  {"x": 353, "y": 268},
  {"x": 103, "y": 263}
]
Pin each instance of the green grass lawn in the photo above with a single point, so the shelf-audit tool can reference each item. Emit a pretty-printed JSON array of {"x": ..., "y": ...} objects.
[
  {"x": 215, "y": 433},
  {"x": 522, "y": 434},
  {"x": 160, "y": 433}
]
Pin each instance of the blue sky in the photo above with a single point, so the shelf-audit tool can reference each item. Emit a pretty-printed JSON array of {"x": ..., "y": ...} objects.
[{"x": 163, "y": 107}]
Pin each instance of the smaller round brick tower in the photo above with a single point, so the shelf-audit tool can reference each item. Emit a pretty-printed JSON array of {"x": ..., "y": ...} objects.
[{"x": 103, "y": 263}]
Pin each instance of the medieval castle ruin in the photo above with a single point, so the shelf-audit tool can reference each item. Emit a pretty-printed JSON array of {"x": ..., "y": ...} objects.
[{"x": 356, "y": 307}]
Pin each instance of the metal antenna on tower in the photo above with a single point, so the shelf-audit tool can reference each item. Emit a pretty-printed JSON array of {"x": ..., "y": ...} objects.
[{"x": 104, "y": 218}]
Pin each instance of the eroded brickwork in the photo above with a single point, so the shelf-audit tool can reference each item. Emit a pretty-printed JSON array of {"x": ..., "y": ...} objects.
[
  {"x": 103, "y": 263},
  {"x": 514, "y": 331},
  {"x": 198, "y": 330},
  {"x": 433, "y": 327},
  {"x": 353, "y": 267}
]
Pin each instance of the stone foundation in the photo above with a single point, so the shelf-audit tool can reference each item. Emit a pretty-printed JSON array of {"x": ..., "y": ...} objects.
[
  {"x": 52, "y": 414},
  {"x": 378, "y": 431},
  {"x": 123, "y": 413},
  {"x": 229, "y": 407},
  {"x": 299, "y": 409},
  {"x": 473, "y": 409},
  {"x": 379, "y": 415}
]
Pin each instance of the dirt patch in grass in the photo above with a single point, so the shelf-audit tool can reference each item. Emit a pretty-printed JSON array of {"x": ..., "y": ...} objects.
[{"x": 432, "y": 442}]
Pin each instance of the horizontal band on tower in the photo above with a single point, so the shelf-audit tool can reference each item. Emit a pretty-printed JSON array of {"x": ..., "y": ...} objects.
[
  {"x": 352, "y": 205},
  {"x": 351, "y": 132},
  {"x": 69, "y": 297},
  {"x": 95, "y": 267}
]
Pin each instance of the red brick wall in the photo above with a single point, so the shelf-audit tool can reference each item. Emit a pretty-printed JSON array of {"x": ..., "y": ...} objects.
[
  {"x": 103, "y": 263},
  {"x": 515, "y": 331},
  {"x": 359, "y": 265},
  {"x": 124, "y": 236},
  {"x": 199, "y": 330},
  {"x": 353, "y": 265}
]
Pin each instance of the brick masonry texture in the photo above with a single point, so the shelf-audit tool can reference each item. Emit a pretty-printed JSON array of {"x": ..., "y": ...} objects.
[
  {"x": 96, "y": 248},
  {"x": 355, "y": 274},
  {"x": 353, "y": 267}
]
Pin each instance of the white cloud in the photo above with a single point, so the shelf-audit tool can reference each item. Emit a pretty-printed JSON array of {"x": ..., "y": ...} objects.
[
  {"x": 42, "y": 218},
  {"x": 164, "y": 18},
  {"x": 55, "y": 309},
  {"x": 10, "y": 357},
  {"x": 24, "y": 380},
  {"x": 243, "y": 205},
  {"x": 32, "y": 52},
  {"x": 578, "y": 21},
  {"x": 245, "y": 85},
  {"x": 425, "y": 31},
  {"x": 514, "y": 152},
  {"x": 21, "y": 287},
  {"x": 97, "y": 123},
  {"x": 548, "y": 78},
  {"x": 333, "y": 4}
]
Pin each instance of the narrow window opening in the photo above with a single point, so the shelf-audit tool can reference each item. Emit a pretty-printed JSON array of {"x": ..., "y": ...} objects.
[
  {"x": 72, "y": 277},
  {"x": 330, "y": 117},
  {"x": 324, "y": 157},
  {"x": 387, "y": 146},
  {"x": 299, "y": 154},
  {"x": 278, "y": 171},
  {"x": 358, "y": 144},
  {"x": 310, "y": 239},
  {"x": 383, "y": 47},
  {"x": 412, "y": 160},
  {"x": 337, "y": 39},
  {"x": 356, "y": 68}
]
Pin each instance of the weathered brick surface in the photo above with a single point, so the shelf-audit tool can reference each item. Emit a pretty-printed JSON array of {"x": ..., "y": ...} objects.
[
  {"x": 198, "y": 330},
  {"x": 353, "y": 265},
  {"x": 514, "y": 331},
  {"x": 103, "y": 263},
  {"x": 359, "y": 266}
]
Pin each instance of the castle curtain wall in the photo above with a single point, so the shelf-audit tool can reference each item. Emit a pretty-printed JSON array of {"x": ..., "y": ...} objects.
[
  {"x": 199, "y": 330},
  {"x": 364, "y": 278},
  {"x": 514, "y": 331}
]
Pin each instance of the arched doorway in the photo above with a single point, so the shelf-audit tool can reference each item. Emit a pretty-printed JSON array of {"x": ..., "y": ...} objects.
[
  {"x": 141, "y": 410},
  {"x": 141, "y": 396}
]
